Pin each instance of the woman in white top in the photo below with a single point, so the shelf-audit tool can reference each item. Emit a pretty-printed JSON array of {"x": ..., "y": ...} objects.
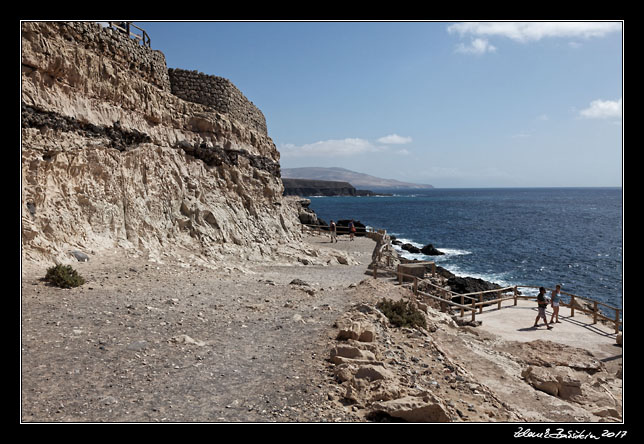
[{"x": 555, "y": 299}]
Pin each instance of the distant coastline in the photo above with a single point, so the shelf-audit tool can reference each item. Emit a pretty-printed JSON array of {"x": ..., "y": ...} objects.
[
  {"x": 358, "y": 180},
  {"x": 311, "y": 188}
]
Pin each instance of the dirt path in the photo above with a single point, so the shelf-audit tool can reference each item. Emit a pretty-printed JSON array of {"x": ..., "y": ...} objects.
[{"x": 142, "y": 341}]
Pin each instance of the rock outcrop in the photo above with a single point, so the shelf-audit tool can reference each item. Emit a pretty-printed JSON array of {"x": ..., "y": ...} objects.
[{"x": 112, "y": 158}]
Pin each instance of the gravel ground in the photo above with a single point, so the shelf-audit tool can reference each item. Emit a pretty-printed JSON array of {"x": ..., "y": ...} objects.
[{"x": 143, "y": 342}]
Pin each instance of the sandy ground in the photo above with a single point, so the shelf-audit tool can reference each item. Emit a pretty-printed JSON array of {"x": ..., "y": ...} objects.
[{"x": 142, "y": 341}]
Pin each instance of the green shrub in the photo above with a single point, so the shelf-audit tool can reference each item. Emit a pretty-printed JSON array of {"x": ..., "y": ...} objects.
[
  {"x": 402, "y": 313},
  {"x": 64, "y": 276}
]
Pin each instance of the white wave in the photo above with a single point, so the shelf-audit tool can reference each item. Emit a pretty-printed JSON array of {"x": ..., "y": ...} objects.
[
  {"x": 453, "y": 251},
  {"x": 409, "y": 241}
]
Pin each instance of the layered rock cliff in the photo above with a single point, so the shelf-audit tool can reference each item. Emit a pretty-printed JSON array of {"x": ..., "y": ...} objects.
[{"x": 112, "y": 158}]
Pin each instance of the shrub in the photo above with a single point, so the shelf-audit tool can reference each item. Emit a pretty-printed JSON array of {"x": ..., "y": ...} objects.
[
  {"x": 64, "y": 276},
  {"x": 402, "y": 313}
]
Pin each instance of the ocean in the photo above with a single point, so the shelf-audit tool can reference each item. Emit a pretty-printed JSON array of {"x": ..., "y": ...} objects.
[{"x": 510, "y": 236}]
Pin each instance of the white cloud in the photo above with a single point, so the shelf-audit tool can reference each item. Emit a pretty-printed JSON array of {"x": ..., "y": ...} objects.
[
  {"x": 476, "y": 47},
  {"x": 603, "y": 109},
  {"x": 534, "y": 31},
  {"x": 395, "y": 139},
  {"x": 333, "y": 147}
]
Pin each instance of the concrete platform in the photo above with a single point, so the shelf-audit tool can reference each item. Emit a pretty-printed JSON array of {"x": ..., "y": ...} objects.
[{"x": 515, "y": 323}]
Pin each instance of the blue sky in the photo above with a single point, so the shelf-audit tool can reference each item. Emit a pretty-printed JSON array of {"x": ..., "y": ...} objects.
[{"x": 452, "y": 104}]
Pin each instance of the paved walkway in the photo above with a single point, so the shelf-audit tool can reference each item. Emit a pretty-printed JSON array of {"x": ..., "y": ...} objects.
[{"x": 515, "y": 323}]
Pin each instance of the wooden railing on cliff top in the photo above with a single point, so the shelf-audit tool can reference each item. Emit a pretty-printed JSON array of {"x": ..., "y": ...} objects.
[
  {"x": 475, "y": 299},
  {"x": 126, "y": 27}
]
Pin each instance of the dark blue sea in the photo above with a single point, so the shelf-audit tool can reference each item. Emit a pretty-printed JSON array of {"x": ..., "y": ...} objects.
[{"x": 517, "y": 236}]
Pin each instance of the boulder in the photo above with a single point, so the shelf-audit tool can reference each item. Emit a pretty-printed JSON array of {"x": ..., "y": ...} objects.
[
  {"x": 373, "y": 373},
  {"x": 356, "y": 326},
  {"x": 413, "y": 409},
  {"x": 346, "y": 354},
  {"x": 410, "y": 248},
  {"x": 558, "y": 381},
  {"x": 429, "y": 250},
  {"x": 462, "y": 285}
]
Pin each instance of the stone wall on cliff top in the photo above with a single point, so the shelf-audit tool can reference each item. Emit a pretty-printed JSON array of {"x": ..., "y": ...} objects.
[
  {"x": 111, "y": 158},
  {"x": 218, "y": 93}
]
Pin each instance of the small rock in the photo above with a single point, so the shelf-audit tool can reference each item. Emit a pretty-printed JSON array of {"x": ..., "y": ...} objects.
[
  {"x": 185, "y": 339},
  {"x": 80, "y": 256},
  {"x": 137, "y": 346}
]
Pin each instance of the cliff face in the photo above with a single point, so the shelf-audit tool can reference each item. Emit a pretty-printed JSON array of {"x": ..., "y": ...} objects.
[{"x": 112, "y": 158}]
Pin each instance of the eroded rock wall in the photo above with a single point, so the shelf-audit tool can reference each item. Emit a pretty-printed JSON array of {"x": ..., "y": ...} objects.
[{"x": 111, "y": 158}]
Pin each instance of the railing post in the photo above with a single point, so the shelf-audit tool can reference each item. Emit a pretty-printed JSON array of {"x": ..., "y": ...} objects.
[
  {"x": 595, "y": 312},
  {"x": 481, "y": 301},
  {"x": 616, "y": 320},
  {"x": 516, "y": 294},
  {"x": 572, "y": 305},
  {"x": 473, "y": 311}
]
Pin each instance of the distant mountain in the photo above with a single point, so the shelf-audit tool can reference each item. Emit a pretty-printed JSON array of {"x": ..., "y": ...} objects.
[{"x": 358, "y": 180}]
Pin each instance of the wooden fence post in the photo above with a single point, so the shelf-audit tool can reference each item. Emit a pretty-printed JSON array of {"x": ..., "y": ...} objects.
[
  {"x": 616, "y": 320},
  {"x": 462, "y": 303},
  {"x": 572, "y": 305},
  {"x": 515, "y": 295},
  {"x": 595, "y": 312}
]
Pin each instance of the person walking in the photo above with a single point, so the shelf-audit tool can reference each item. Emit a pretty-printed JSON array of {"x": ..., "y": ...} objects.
[
  {"x": 555, "y": 300},
  {"x": 542, "y": 302},
  {"x": 352, "y": 230},
  {"x": 332, "y": 229}
]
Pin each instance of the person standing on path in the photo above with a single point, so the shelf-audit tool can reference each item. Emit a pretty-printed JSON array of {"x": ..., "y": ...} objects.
[
  {"x": 543, "y": 303},
  {"x": 352, "y": 230},
  {"x": 332, "y": 229},
  {"x": 555, "y": 299}
]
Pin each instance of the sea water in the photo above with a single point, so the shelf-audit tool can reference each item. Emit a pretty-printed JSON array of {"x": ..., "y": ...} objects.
[{"x": 510, "y": 236}]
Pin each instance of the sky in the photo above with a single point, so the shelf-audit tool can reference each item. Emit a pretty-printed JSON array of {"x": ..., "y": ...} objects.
[{"x": 451, "y": 104}]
